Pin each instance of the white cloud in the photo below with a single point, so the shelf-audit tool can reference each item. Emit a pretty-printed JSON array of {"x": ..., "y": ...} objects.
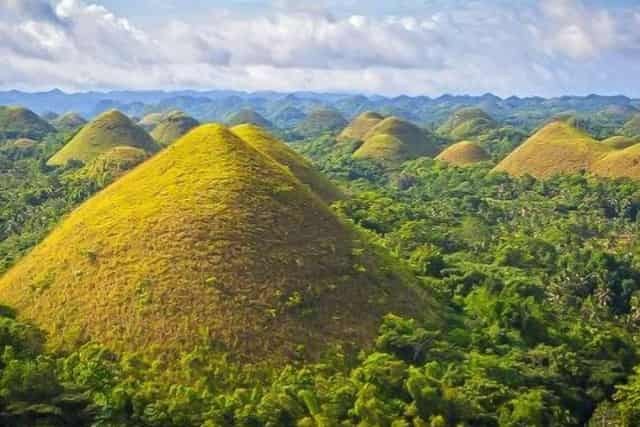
[{"x": 554, "y": 46}]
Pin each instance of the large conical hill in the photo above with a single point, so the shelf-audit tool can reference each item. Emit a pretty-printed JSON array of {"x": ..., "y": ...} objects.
[
  {"x": 557, "y": 148},
  {"x": 172, "y": 127},
  {"x": 300, "y": 167},
  {"x": 464, "y": 153},
  {"x": 393, "y": 141},
  {"x": 209, "y": 240},
  {"x": 360, "y": 126},
  {"x": 109, "y": 130},
  {"x": 18, "y": 122}
]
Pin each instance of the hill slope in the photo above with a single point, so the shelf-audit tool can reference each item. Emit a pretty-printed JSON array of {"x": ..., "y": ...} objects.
[
  {"x": 360, "y": 126},
  {"x": 172, "y": 127},
  {"x": 321, "y": 121},
  {"x": 632, "y": 127},
  {"x": 557, "y": 148},
  {"x": 69, "y": 122},
  {"x": 620, "y": 163},
  {"x": 467, "y": 123},
  {"x": 114, "y": 163},
  {"x": 109, "y": 130},
  {"x": 464, "y": 153},
  {"x": 393, "y": 141},
  {"x": 621, "y": 142},
  {"x": 17, "y": 122},
  {"x": 208, "y": 240},
  {"x": 300, "y": 167},
  {"x": 248, "y": 116}
]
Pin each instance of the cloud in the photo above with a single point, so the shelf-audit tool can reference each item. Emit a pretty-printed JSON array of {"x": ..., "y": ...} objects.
[{"x": 549, "y": 47}]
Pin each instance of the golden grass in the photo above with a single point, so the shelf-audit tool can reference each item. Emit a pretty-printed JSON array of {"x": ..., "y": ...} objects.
[
  {"x": 114, "y": 163},
  {"x": 464, "y": 153},
  {"x": 621, "y": 142},
  {"x": 360, "y": 126},
  {"x": 620, "y": 163},
  {"x": 300, "y": 167},
  {"x": 172, "y": 127},
  {"x": 209, "y": 239},
  {"x": 393, "y": 141},
  {"x": 109, "y": 130},
  {"x": 557, "y": 148}
]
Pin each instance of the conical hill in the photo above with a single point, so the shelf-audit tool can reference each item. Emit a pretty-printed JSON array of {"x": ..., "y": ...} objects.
[
  {"x": 109, "y": 130},
  {"x": 172, "y": 127},
  {"x": 300, "y": 167},
  {"x": 209, "y": 240},
  {"x": 360, "y": 126},
  {"x": 464, "y": 153}
]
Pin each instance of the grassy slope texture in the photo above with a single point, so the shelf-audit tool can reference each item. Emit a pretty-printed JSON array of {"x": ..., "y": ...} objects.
[
  {"x": 17, "y": 122},
  {"x": 321, "y": 121},
  {"x": 620, "y": 163},
  {"x": 208, "y": 240},
  {"x": 464, "y": 153},
  {"x": 248, "y": 116},
  {"x": 172, "y": 127},
  {"x": 109, "y": 130},
  {"x": 114, "y": 163},
  {"x": 555, "y": 149},
  {"x": 300, "y": 167},
  {"x": 393, "y": 141},
  {"x": 69, "y": 122},
  {"x": 467, "y": 123},
  {"x": 360, "y": 126}
]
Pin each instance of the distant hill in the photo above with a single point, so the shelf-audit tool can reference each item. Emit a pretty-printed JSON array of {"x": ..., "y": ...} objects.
[
  {"x": 557, "y": 148},
  {"x": 209, "y": 241},
  {"x": 248, "y": 116},
  {"x": 321, "y": 121},
  {"x": 69, "y": 122},
  {"x": 621, "y": 142},
  {"x": 632, "y": 127},
  {"x": 18, "y": 122},
  {"x": 300, "y": 167},
  {"x": 109, "y": 130},
  {"x": 172, "y": 127},
  {"x": 151, "y": 120},
  {"x": 360, "y": 126},
  {"x": 464, "y": 153},
  {"x": 393, "y": 141},
  {"x": 287, "y": 117},
  {"x": 467, "y": 123}
]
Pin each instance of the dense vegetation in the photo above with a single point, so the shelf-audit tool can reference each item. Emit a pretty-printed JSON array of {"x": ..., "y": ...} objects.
[{"x": 538, "y": 283}]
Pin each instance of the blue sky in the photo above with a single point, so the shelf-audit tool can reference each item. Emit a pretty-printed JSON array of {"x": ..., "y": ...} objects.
[{"x": 527, "y": 47}]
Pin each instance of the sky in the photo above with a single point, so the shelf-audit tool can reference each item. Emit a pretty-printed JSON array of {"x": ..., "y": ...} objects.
[{"x": 412, "y": 47}]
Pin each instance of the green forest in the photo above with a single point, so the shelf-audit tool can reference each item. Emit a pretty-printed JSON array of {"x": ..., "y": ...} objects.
[{"x": 536, "y": 284}]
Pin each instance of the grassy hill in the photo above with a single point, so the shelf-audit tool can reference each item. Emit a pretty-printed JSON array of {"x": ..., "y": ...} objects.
[
  {"x": 69, "y": 122},
  {"x": 555, "y": 149},
  {"x": 247, "y": 116},
  {"x": 172, "y": 127},
  {"x": 114, "y": 163},
  {"x": 209, "y": 240},
  {"x": 360, "y": 126},
  {"x": 393, "y": 141},
  {"x": 620, "y": 163},
  {"x": 300, "y": 167},
  {"x": 109, "y": 130},
  {"x": 632, "y": 127},
  {"x": 467, "y": 123},
  {"x": 621, "y": 142},
  {"x": 17, "y": 122},
  {"x": 321, "y": 121},
  {"x": 151, "y": 120},
  {"x": 464, "y": 153}
]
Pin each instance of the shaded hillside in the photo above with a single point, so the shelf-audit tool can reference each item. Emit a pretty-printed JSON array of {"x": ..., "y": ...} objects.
[
  {"x": 172, "y": 127},
  {"x": 114, "y": 163},
  {"x": 393, "y": 141},
  {"x": 17, "y": 122},
  {"x": 621, "y": 142},
  {"x": 464, "y": 153},
  {"x": 467, "y": 123},
  {"x": 210, "y": 240},
  {"x": 151, "y": 120},
  {"x": 69, "y": 122},
  {"x": 360, "y": 126},
  {"x": 632, "y": 127},
  {"x": 109, "y": 130},
  {"x": 248, "y": 116},
  {"x": 321, "y": 121},
  {"x": 301, "y": 168},
  {"x": 557, "y": 148},
  {"x": 287, "y": 117}
]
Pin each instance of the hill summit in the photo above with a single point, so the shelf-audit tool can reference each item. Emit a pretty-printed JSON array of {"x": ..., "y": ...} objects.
[
  {"x": 467, "y": 123},
  {"x": 464, "y": 153},
  {"x": 18, "y": 122},
  {"x": 360, "y": 126},
  {"x": 172, "y": 127},
  {"x": 319, "y": 121},
  {"x": 393, "y": 141},
  {"x": 209, "y": 240},
  {"x": 557, "y": 148},
  {"x": 248, "y": 116},
  {"x": 69, "y": 122},
  {"x": 109, "y": 130}
]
